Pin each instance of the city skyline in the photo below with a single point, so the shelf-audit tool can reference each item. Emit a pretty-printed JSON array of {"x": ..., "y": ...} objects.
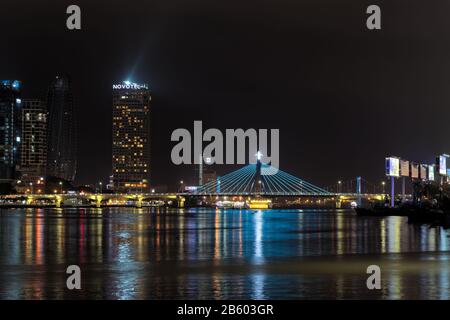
[
  {"x": 337, "y": 119},
  {"x": 190, "y": 174},
  {"x": 231, "y": 156}
]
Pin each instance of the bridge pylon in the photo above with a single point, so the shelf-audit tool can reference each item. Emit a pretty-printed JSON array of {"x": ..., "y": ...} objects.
[
  {"x": 260, "y": 179},
  {"x": 257, "y": 183}
]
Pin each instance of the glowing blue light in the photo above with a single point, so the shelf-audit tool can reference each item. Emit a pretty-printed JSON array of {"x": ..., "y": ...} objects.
[
  {"x": 18, "y": 101},
  {"x": 127, "y": 82},
  {"x": 273, "y": 181},
  {"x": 15, "y": 84}
]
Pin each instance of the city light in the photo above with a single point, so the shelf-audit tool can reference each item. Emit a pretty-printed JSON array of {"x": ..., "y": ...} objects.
[{"x": 342, "y": 96}]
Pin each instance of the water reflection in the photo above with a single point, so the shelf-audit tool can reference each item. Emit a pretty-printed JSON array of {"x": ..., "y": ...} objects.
[
  {"x": 203, "y": 254},
  {"x": 258, "y": 243}
]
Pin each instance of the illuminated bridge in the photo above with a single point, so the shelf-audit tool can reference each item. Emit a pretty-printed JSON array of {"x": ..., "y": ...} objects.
[
  {"x": 260, "y": 179},
  {"x": 266, "y": 182},
  {"x": 252, "y": 181}
]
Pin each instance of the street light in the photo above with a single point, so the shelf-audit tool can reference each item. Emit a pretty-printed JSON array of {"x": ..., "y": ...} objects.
[
  {"x": 100, "y": 186},
  {"x": 143, "y": 185},
  {"x": 339, "y": 186},
  {"x": 60, "y": 186},
  {"x": 181, "y": 186},
  {"x": 383, "y": 183},
  {"x": 18, "y": 184}
]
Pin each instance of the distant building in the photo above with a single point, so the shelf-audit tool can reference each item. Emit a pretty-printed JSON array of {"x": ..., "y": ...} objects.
[
  {"x": 10, "y": 104},
  {"x": 209, "y": 175},
  {"x": 62, "y": 133},
  {"x": 33, "y": 158},
  {"x": 110, "y": 185},
  {"x": 209, "y": 178},
  {"x": 131, "y": 137},
  {"x": 204, "y": 166}
]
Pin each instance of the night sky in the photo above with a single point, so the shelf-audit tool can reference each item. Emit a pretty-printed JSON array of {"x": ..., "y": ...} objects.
[{"x": 342, "y": 96}]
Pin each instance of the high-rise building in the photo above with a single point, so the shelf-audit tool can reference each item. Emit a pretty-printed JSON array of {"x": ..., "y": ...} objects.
[
  {"x": 33, "y": 157},
  {"x": 10, "y": 104},
  {"x": 62, "y": 133},
  {"x": 131, "y": 137}
]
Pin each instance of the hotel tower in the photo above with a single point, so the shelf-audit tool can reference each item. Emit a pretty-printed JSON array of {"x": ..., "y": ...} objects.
[{"x": 131, "y": 137}]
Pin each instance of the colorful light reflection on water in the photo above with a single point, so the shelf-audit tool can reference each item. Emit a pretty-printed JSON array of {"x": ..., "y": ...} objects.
[{"x": 205, "y": 253}]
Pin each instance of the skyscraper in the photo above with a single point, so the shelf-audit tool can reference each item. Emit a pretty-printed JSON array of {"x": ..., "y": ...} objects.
[
  {"x": 33, "y": 157},
  {"x": 62, "y": 141},
  {"x": 131, "y": 137},
  {"x": 10, "y": 103}
]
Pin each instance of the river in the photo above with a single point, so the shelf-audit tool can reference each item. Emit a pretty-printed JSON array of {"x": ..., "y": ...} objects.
[{"x": 127, "y": 253}]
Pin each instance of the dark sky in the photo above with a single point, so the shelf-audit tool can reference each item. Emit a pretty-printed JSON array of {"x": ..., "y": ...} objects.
[{"x": 342, "y": 96}]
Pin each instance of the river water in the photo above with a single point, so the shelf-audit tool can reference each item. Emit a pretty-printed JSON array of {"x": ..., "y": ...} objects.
[{"x": 127, "y": 253}]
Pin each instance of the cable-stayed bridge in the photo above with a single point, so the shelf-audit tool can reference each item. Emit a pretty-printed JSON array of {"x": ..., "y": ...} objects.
[
  {"x": 251, "y": 181},
  {"x": 260, "y": 179}
]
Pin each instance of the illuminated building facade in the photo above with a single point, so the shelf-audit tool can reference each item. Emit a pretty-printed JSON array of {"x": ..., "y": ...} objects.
[
  {"x": 10, "y": 104},
  {"x": 61, "y": 156},
  {"x": 131, "y": 137},
  {"x": 33, "y": 158}
]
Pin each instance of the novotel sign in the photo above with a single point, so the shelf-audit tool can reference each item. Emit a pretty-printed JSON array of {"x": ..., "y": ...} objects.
[{"x": 129, "y": 85}]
